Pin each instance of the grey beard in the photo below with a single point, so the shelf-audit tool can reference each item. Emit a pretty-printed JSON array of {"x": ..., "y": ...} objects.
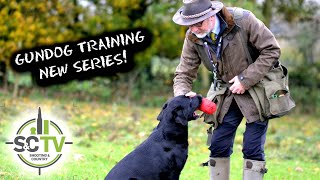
[{"x": 202, "y": 35}]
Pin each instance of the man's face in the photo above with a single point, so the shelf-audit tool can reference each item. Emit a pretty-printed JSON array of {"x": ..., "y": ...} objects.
[{"x": 201, "y": 29}]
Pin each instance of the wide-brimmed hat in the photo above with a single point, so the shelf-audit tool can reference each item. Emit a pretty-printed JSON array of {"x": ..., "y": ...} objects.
[{"x": 194, "y": 11}]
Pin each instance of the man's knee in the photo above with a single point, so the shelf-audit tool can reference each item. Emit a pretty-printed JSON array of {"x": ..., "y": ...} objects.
[
  {"x": 254, "y": 153},
  {"x": 254, "y": 140},
  {"x": 222, "y": 140},
  {"x": 219, "y": 150}
]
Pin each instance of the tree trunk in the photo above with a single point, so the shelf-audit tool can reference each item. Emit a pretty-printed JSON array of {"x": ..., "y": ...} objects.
[
  {"x": 132, "y": 76},
  {"x": 3, "y": 75},
  {"x": 253, "y": 1},
  {"x": 16, "y": 85},
  {"x": 205, "y": 82},
  {"x": 267, "y": 11},
  {"x": 5, "y": 82}
]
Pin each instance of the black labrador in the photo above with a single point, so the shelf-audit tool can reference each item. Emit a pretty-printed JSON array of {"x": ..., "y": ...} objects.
[{"x": 164, "y": 154}]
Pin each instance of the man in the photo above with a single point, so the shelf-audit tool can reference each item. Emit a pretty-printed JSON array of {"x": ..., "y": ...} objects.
[{"x": 215, "y": 38}]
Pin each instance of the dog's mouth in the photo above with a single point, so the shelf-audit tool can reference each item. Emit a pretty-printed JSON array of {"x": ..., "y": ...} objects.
[{"x": 195, "y": 116}]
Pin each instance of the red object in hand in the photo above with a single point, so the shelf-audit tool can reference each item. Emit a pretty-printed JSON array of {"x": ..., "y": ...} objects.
[{"x": 207, "y": 106}]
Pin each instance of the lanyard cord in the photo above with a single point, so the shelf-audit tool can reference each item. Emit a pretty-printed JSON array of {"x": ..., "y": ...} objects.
[
  {"x": 219, "y": 48},
  {"x": 214, "y": 65}
]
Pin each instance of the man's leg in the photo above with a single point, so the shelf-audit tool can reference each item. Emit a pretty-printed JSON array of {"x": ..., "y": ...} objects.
[
  {"x": 253, "y": 150},
  {"x": 222, "y": 143},
  {"x": 254, "y": 139}
]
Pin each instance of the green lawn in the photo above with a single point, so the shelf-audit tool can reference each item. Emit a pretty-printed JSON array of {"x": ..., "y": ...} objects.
[{"x": 103, "y": 133}]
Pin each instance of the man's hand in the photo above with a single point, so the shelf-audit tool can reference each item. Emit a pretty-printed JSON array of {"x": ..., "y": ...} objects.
[
  {"x": 237, "y": 87},
  {"x": 191, "y": 94}
]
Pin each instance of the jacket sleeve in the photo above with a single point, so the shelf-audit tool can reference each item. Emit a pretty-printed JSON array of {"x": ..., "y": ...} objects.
[
  {"x": 187, "y": 69},
  {"x": 263, "y": 40}
]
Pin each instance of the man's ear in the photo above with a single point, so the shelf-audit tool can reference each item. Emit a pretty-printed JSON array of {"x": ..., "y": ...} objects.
[{"x": 162, "y": 113}]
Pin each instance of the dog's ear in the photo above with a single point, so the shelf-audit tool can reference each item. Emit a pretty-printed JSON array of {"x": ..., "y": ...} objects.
[
  {"x": 181, "y": 121},
  {"x": 162, "y": 113},
  {"x": 180, "y": 117}
]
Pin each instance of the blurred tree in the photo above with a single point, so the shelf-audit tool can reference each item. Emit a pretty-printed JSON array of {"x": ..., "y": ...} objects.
[
  {"x": 27, "y": 24},
  {"x": 267, "y": 11},
  {"x": 168, "y": 37},
  {"x": 302, "y": 12},
  {"x": 290, "y": 10},
  {"x": 154, "y": 15},
  {"x": 307, "y": 38},
  {"x": 296, "y": 10}
]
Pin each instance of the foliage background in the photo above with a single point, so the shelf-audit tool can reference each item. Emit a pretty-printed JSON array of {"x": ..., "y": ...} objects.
[{"x": 140, "y": 93}]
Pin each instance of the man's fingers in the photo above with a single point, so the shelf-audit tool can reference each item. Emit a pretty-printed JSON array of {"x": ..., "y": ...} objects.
[
  {"x": 191, "y": 94},
  {"x": 231, "y": 88},
  {"x": 232, "y": 80},
  {"x": 236, "y": 87},
  {"x": 236, "y": 90}
]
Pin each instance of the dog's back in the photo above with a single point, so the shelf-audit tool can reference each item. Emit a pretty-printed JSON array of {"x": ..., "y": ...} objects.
[
  {"x": 161, "y": 156},
  {"x": 149, "y": 161}
]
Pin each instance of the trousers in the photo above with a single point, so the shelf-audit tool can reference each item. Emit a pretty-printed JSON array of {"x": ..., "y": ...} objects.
[{"x": 254, "y": 136}]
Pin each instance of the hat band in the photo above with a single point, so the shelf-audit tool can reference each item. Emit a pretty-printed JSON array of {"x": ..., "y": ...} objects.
[{"x": 196, "y": 15}]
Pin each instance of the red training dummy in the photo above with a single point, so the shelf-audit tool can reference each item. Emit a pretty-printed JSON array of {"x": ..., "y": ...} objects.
[{"x": 207, "y": 106}]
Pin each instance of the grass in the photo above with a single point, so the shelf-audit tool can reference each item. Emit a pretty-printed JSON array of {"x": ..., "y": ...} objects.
[{"x": 103, "y": 133}]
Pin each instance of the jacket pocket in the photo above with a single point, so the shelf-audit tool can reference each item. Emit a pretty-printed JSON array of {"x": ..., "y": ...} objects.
[{"x": 273, "y": 93}]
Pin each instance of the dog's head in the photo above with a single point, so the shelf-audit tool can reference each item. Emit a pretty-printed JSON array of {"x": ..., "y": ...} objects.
[{"x": 181, "y": 109}]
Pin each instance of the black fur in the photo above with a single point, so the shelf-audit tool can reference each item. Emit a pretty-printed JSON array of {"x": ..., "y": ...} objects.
[{"x": 164, "y": 154}]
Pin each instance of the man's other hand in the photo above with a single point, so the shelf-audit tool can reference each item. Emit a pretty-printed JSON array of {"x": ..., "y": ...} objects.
[{"x": 237, "y": 87}]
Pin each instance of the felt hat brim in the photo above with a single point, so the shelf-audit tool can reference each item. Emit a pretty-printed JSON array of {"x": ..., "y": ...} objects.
[{"x": 178, "y": 19}]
